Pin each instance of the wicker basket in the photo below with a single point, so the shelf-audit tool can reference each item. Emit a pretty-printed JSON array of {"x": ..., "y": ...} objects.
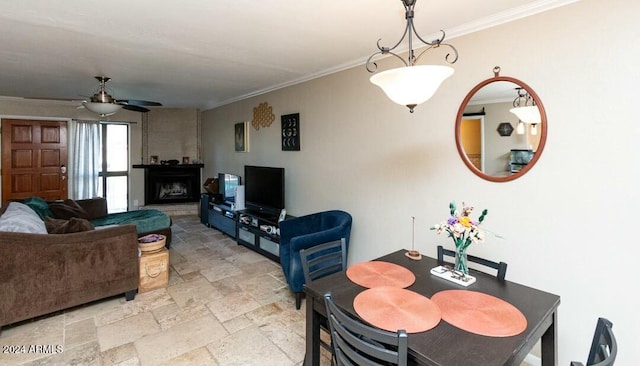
[{"x": 151, "y": 243}]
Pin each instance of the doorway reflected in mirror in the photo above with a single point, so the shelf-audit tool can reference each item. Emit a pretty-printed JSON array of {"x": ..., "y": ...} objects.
[{"x": 486, "y": 151}]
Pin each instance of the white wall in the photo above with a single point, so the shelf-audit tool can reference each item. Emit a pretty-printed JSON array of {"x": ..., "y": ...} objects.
[{"x": 569, "y": 224}]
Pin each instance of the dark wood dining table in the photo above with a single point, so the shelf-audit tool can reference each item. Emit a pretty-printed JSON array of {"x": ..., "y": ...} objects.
[{"x": 446, "y": 345}]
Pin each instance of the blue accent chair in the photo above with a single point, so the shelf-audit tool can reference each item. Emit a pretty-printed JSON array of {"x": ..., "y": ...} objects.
[{"x": 305, "y": 232}]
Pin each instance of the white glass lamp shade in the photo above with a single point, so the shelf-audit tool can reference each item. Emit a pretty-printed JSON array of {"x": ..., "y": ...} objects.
[
  {"x": 528, "y": 114},
  {"x": 412, "y": 85},
  {"x": 520, "y": 128},
  {"x": 103, "y": 109}
]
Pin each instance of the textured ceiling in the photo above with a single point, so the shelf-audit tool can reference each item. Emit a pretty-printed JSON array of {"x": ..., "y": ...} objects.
[{"x": 203, "y": 53}]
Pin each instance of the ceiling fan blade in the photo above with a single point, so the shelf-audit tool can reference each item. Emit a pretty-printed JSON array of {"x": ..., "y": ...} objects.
[
  {"x": 140, "y": 103},
  {"x": 56, "y": 99},
  {"x": 134, "y": 108}
]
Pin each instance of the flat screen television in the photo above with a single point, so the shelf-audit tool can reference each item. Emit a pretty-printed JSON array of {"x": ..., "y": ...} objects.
[
  {"x": 227, "y": 184},
  {"x": 264, "y": 189}
]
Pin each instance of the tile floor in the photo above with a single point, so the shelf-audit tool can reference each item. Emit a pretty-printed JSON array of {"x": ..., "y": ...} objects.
[{"x": 224, "y": 305}]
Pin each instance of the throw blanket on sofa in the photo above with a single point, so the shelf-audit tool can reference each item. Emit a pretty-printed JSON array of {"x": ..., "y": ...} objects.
[{"x": 145, "y": 220}]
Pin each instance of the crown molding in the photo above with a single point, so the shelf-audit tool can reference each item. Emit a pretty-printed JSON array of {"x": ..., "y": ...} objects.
[{"x": 497, "y": 19}]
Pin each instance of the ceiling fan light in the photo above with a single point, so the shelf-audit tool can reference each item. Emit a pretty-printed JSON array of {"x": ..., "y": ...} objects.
[
  {"x": 412, "y": 85},
  {"x": 528, "y": 114},
  {"x": 102, "y": 109}
]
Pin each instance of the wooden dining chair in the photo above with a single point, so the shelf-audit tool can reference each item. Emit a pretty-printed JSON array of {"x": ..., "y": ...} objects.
[
  {"x": 500, "y": 267},
  {"x": 604, "y": 347},
  {"x": 355, "y": 343},
  {"x": 320, "y": 261},
  {"x": 324, "y": 259}
]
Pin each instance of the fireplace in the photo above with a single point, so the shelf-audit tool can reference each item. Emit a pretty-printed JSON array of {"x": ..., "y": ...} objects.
[{"x": 171, "y": 183}]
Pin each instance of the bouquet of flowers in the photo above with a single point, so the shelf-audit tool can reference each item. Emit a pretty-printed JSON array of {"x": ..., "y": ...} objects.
[{"x": 463, "y": 231}]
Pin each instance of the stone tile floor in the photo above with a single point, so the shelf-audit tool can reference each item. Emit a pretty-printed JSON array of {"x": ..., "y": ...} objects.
[{"x": 224, "y": 305}]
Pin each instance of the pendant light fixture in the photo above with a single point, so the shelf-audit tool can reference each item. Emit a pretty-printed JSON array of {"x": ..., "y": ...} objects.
[
  {"x": 524, "y": 107},
  {"x": 412, "y": 84}
]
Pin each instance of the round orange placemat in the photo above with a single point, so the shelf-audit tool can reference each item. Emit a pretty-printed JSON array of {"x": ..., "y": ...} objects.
[
  {"x": 379, "y": 273},
  {"x": 392, "y": 308},
  {"x": 480, "y": 313}
]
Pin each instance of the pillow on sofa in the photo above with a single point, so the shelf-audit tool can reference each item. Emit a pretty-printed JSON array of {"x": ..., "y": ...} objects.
[
  {"x": 20, "y": 218},
  {"x": 40, "y": 206},
  {"x": 73, "y": 225},
  {"x": 67, "y": 209}
]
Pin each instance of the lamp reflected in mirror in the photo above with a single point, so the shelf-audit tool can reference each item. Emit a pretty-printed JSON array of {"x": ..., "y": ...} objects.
[{"x": 490, "y": 155}]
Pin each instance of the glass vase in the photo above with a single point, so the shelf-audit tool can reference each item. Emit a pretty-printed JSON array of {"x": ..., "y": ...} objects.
[{"x": 461, "y": 260}]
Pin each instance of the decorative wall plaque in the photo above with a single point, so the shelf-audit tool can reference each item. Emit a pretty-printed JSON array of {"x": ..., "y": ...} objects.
[
  {"x": 262, "y": 116},
  {"x": 505, "y": 129},
  {"x": 290, "y": 132}
]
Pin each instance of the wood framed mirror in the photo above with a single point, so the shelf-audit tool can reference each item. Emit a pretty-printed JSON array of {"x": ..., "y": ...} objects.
[{"x": 493, "y": 141}]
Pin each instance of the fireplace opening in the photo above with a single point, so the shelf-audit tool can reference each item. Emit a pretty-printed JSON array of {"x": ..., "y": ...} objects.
[
  {"x": 172, "y": 189},
  {"x": 172, "y": 184}
]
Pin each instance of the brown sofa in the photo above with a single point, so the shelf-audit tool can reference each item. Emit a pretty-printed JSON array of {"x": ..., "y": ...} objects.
[{"x": 44, "y": 273}]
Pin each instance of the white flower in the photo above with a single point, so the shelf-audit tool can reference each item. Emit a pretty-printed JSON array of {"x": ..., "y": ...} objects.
[{"x": 459, "y": 229}]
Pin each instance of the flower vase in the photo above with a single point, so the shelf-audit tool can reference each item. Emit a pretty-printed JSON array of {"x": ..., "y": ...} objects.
[{"x": 461, "y": 260}]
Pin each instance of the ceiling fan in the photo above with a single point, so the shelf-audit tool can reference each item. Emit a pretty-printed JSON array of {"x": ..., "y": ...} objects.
[{"x": 104, "y": 104}]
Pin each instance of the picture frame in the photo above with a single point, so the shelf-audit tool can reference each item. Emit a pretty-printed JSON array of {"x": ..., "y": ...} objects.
[
  {"x": 290, "y": 134},
  {"x": 241, "y": 137},
  {"x": 185, "y": 160},
  {"x": 153, "y": 159}
]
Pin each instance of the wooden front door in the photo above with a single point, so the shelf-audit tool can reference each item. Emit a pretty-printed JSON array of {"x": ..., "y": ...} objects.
[{"x": 34, "y": 159}]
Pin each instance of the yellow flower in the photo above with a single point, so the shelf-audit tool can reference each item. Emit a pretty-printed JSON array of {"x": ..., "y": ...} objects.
[{"x": 464, "y": 220}]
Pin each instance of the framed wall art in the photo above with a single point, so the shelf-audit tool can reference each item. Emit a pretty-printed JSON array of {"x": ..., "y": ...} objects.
[
  {"x": 241, "y": 137},
  {"x": 290, "y": 132}
]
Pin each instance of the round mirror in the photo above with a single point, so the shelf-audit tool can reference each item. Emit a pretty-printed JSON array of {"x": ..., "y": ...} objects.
[{"x": 501, "y": 128}]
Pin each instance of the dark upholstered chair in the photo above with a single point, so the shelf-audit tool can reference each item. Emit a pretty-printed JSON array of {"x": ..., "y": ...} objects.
[
  {"x": 500, "y": 267},
  {"x": 305, "y": 232},
  {"x": 355, "y": 343},
  {"x": 604, "y": 347}
]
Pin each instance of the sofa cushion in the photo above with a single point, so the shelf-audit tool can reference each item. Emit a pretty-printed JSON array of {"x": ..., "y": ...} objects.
[
  {"x": 68, "y": 209},
  {"x": 146, "y": 221},
  {"x": 39, "y": 206},
  {"x": 73, "y": 225},
  {"x": 21, "y": 218}
]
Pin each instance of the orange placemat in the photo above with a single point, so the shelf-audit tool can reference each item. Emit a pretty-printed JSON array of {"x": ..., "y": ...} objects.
[
  {"x": 480, "y": 313},
  {"x": 379, "y": 273},
  {"x": 393, "y": 308}
]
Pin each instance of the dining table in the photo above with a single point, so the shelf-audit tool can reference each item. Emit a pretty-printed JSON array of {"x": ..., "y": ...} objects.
[{"x": 447, "y": 343}]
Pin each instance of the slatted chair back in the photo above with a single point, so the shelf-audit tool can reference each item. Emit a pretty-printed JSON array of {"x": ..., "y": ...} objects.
[
  {"x": 355, "y": 343},
  {"x": 324, "y": 259},
  {"x": 604, "y": 347},
  {"x": 500, "y": 267}
]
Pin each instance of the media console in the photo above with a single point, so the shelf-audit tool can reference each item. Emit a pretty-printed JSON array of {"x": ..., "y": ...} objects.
[
  {"x": 259, "y": 232},
  {"x": 222, "y": 218}
]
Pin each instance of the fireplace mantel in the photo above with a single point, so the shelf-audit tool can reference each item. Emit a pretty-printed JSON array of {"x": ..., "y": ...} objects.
[
  {"x": 167, "y": 166},
  {"x": 164, "y": 183}
]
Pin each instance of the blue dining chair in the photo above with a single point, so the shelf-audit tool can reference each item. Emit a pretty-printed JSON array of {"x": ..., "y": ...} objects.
[{"x": 304, "y": 232}]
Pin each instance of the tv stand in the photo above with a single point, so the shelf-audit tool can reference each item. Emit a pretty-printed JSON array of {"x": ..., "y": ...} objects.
[
  {"x": 257, "y": 231},
  {"x": 223, "y": 218}
]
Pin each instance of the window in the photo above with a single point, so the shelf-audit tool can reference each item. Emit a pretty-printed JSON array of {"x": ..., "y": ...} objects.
[{"x": 114, "y": 166}]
